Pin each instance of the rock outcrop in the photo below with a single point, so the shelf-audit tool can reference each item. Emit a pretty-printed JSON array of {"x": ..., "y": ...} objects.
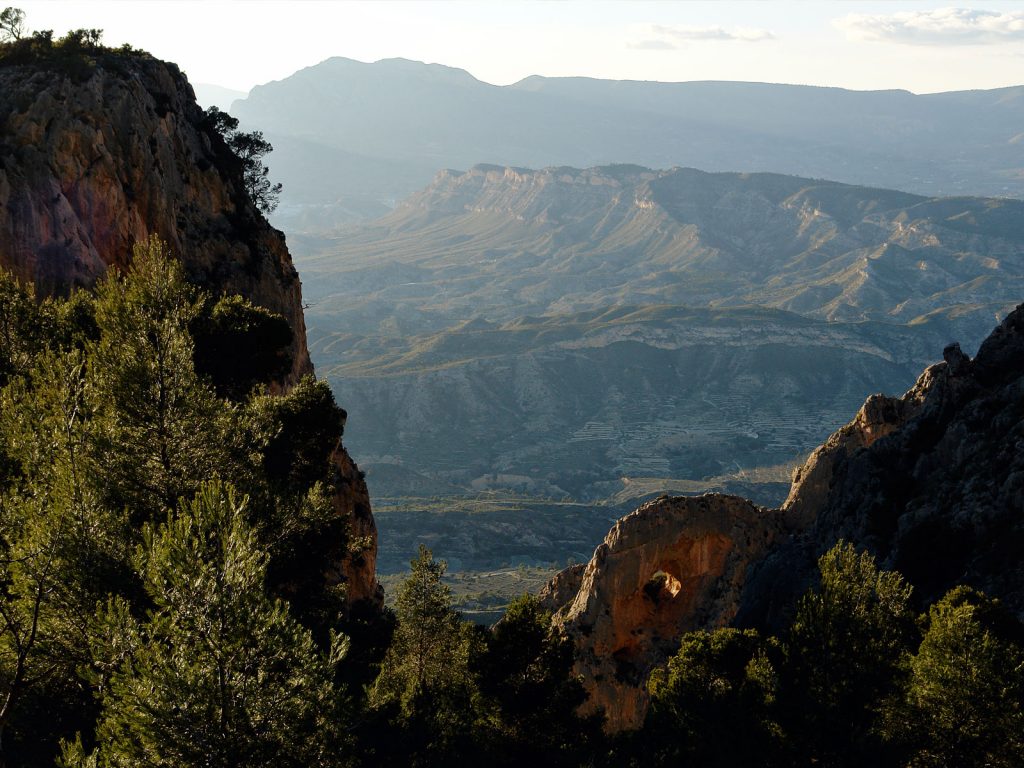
[
  {"x": 673, "y": 565},
  {"x": 936, "y": 491},
  {"x": 359, "y": 568},
  {"x": 92, "y": 165},
  {"x": 931, "y": 483},
  {"x": 98, "y": 156}
]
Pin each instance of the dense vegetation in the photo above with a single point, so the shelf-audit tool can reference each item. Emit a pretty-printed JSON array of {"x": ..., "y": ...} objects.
[
  {"x": 857, "y": 679},
  {"x": 156, "y": 509},
  {"x": 164, "y": 530},
  {"x": 148, "y": 522}
]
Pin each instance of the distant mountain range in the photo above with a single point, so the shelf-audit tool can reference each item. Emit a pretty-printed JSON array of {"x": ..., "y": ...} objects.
[
  {"x": 555, "y": 331},
  {"x": 353, "y": 138}
]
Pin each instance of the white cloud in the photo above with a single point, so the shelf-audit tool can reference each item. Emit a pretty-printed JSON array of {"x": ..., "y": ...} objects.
[
  {"x": 950, "y": 26},
  {"x": 663, "y": 37}
]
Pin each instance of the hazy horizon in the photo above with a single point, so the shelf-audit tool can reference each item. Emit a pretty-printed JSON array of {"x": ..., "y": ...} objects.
[
  {"x": 921, "y": 47},
  {"x": 242, "y": 93}
]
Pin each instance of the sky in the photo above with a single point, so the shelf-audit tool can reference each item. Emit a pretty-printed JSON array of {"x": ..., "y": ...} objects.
[{"x": 923, "y": 47}]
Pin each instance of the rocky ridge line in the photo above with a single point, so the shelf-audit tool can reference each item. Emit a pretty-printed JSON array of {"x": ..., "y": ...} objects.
[{"x": 931, "y": 483}]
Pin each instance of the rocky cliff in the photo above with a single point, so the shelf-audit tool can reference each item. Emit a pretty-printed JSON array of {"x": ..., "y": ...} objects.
[
  {"x": 931, "y": 483},
  {"x": 673, "y": 565},
  {"x": 102, "y": 151},
  {"x": 95, "y": 162}
]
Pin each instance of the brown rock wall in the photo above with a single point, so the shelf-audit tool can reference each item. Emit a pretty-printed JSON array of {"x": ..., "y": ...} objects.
[
  {"x": 673, "y": 565},
  {"x": 90, "y": 168},
  {"x": 91, "y": 165}
]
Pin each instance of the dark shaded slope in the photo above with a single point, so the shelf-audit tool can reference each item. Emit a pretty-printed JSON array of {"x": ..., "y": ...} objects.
[{"x": 934, "y": 488}]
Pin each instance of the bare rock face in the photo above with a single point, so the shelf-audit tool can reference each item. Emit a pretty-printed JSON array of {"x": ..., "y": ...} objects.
[
  {"x": 359, "y": 568},
  {"x": 673, "y": 565},
  {"x": 931, "y": 483},
  {"x": 878, "y": 417},
  {"x": 91, "y": 167},
  {"x": 92, "y": 162},
  {"x": 563, "y": 588}
]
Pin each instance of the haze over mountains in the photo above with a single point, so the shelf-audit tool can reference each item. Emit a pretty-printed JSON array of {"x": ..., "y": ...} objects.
[
  {"x": 555, "y": 331},
  {"x": 599, "y": 330},
  {"x": 353, "y": 138},
  {"x": 215, "y": 95}
]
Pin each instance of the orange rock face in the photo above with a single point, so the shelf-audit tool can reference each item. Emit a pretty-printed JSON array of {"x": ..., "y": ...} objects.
[
  {"x": 359, "y": 567},
  {"x": 673, "y": 565},
  {"x": 929, "y": 483},
  {"x": 680, "y": 564},
  {"x": 878, "y": 417},
  {"x": 90, "y": 166}
]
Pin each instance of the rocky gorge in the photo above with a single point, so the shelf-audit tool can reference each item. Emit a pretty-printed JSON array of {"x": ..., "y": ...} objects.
[
  {"x": 930, "y": 483},
  {"x": 95, "y": 161}
]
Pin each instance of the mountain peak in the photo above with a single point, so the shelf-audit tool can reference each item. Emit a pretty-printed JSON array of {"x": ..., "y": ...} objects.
[
  {"x": 433, "y": 73},
  {"x": 399, "y": 64}
]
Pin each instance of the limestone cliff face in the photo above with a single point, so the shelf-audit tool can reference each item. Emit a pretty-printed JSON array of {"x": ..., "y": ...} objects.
[
  {"x": 673, "y": 565},
  {"x": 91, "y": 167},
  {"x": 878, "y": 417},
  {"x": 92, "y": 163},
  {"x": 931, "y": 483},
  {"x": 359, "y": 568}
]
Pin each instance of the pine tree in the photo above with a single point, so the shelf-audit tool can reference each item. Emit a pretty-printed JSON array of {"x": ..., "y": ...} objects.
[
  {"x": 848, "y": 649},
  {"x": 426, "y": 702},
  {"x": 964, "y": 702},
  {"x": 219, "y": 675},
  {"x": 427, "y": 650},
  {"x": 163, "y": 430},
  {"x": 711, "y": 705},
  {"x": 58, "y": 544},
  {"x": 526, "y": 670},
  {"x": 22, "y": 327}
]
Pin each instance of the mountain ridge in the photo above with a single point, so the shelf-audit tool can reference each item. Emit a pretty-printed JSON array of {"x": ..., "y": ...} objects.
[
  {"x": 426, "y": 117},
  {"x": 634, "y": 234},
  {"x": 571, "y": 311}
]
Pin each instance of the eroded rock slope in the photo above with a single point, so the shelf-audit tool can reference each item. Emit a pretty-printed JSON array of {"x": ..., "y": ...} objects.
[{"x": 932, "y": 483}]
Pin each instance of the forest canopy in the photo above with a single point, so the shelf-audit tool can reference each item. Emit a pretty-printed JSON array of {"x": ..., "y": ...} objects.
[{"x": 167, "y": 535}]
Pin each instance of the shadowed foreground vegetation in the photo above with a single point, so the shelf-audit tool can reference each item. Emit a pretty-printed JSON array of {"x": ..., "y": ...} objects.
[{"x": 162, "y": 602}]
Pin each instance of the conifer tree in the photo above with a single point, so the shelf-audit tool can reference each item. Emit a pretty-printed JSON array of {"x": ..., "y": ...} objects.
[
  {"x": 848, "y": 649},
  {"x": 711, "y": 705},
  {"x": 57, "y": 544},
  {"x": 162, "y": 429},
  {"x": 964, "y": 702},
  {"x": 428, "y": 648},
  {"x": 426, "y": 696},
  {"x": 219, "y": 675},
  {"x": 526, "y": 670},
  {"x": 21, "y": 327}
]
